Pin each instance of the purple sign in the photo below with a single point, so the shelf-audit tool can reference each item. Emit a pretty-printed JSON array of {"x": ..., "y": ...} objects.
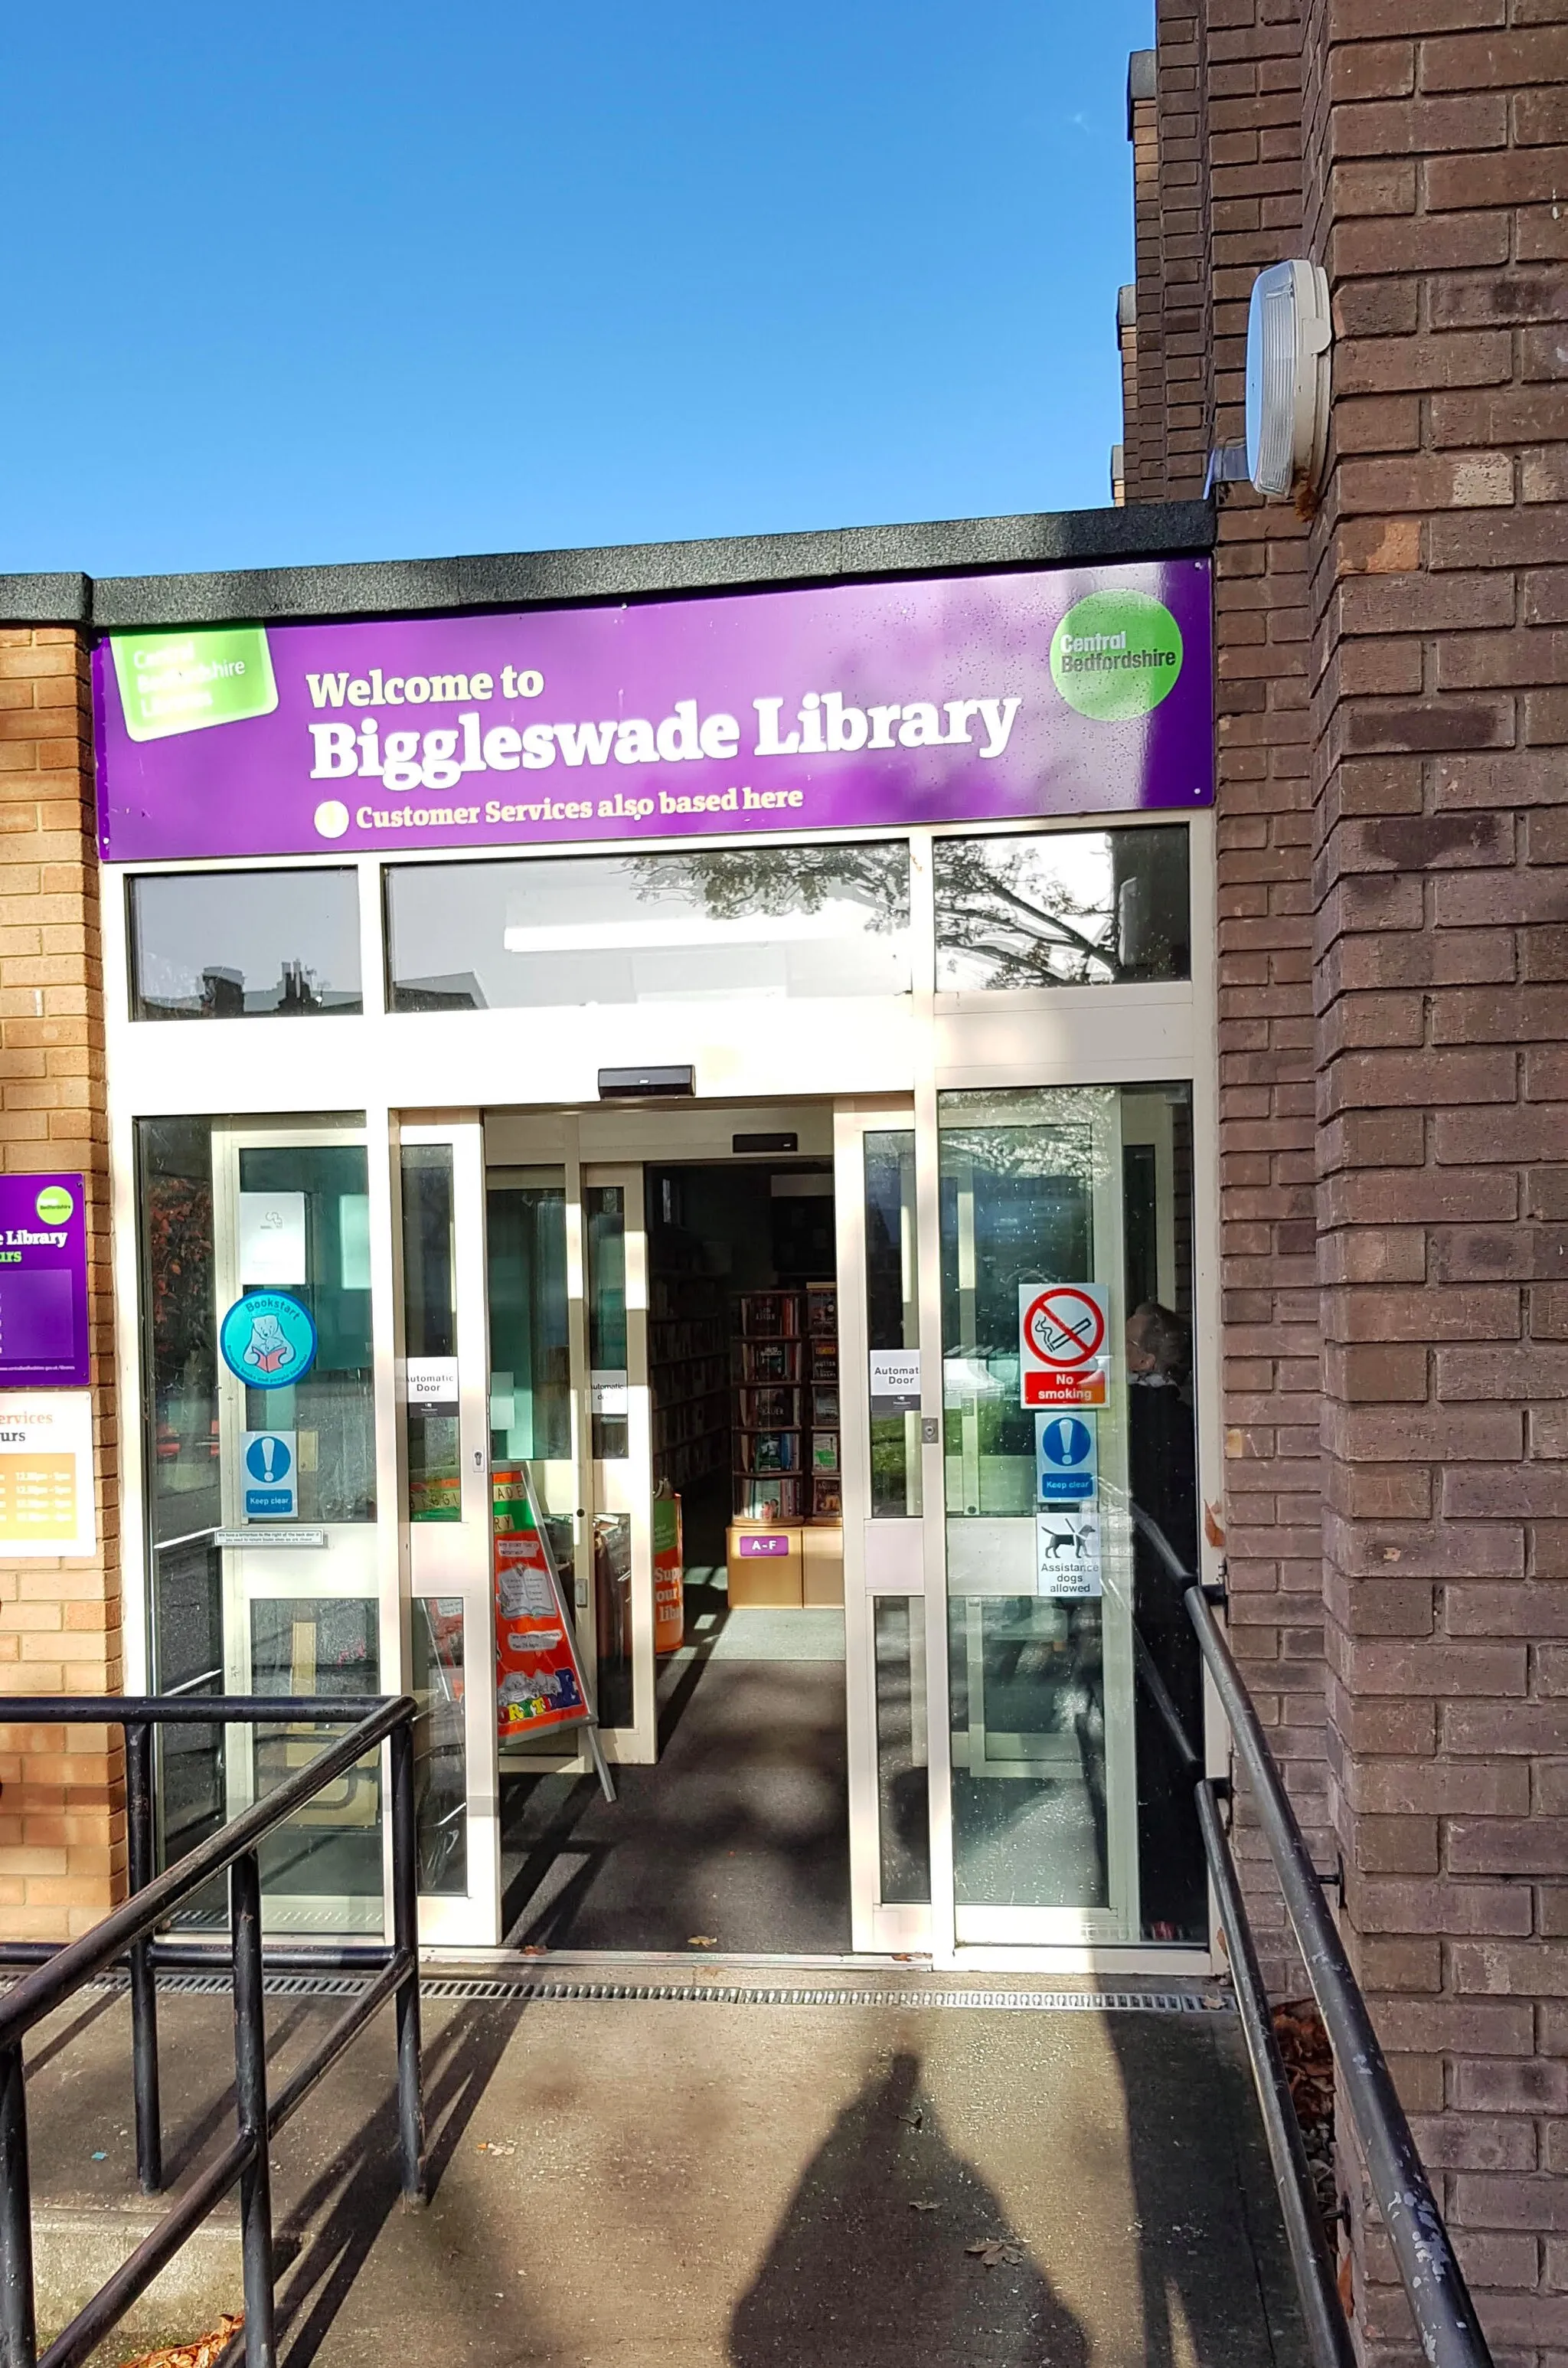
[
  {"x": 43, "y": 1283},
  {"x": 978, "y": 698}
]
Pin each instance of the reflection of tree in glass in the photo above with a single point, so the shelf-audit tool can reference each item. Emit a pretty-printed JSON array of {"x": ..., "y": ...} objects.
[
  {"x": 179, "y": 1269},
  {"x": 731, "y": 882},
  {"x": 993, "y": 905}
]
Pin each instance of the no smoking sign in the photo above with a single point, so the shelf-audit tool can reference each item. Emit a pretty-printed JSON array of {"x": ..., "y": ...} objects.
[{"x": 1064, "y": 1344}]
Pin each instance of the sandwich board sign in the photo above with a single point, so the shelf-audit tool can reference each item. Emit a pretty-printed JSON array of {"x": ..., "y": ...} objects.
[
  {"x": 1064, "y": 1344},
  {"x": 539, "y": 1684}
]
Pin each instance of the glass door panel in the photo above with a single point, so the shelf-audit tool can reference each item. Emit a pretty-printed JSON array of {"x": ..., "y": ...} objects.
[
  {"x": 1064, "y": 1813},
  {"x": 885, "y": 1645},
  {"x": 530, "y": 1357},
  {"x": 620, "y": 1428},
  {"x": 893, "y": 1323},
  {"x": 442, "y": 1396},
  {"x": 431, "y": 1416},
  {"x": 297, "y": 1496}
]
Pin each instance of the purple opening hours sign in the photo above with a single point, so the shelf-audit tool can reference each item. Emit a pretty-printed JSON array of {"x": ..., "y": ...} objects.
[{"x": 43, "y": 1283}]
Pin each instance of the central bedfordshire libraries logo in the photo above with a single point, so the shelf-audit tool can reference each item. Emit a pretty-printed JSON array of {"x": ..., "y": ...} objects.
[
  {"x": 183, "y": 682},
  {"x": 1116, "y": 656}
]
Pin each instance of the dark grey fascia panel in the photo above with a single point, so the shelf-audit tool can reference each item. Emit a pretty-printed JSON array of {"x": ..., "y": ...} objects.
[
  {"x": 1142, "y": 80},
  {"x": 45, "y": 601},
  {"x": 649, "y": 570}
]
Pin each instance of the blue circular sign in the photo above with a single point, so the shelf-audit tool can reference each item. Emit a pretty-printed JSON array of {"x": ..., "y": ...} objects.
[
  {"x": 268, "y": 1458},
  {"x": 1066, "y": 1442},
  {"x": 269, "y": 1339}
]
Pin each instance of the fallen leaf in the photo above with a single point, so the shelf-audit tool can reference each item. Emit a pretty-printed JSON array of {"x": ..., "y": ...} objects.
[
  {"x": 703, "y": 1941},
  {"x": 996, "y": 2253},
  {"x": 926, "y": 2207},
  {"x": 202, "y": 2353}
]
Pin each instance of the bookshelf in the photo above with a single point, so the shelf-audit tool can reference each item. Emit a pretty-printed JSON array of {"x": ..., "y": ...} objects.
[
  {"x": 785, "y": 1427},
  {"x": 688, "y": 1367}
]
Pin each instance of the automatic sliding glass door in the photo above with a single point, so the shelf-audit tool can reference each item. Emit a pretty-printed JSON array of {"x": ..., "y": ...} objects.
[
  {"x": 298, "y": 1496},
  {"x": 1067, "y": 1442}
]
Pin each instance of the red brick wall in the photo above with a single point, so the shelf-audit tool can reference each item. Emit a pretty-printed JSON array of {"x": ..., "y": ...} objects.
[
  {"x": 1221, "y": 152},
  {"x": 1394, "y": 704},
  {"x": 1442, "y": 829},
  {"x": 62, "y": 1818}
]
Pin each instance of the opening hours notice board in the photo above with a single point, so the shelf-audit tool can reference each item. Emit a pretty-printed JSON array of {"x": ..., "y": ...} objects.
[{"x": 46, "y": 1416}]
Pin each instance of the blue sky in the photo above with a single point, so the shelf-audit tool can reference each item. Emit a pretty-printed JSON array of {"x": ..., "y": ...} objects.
[{"x": 336, "y": 281}]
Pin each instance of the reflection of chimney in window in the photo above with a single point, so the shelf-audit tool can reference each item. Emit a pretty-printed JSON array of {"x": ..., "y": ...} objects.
[
  {"x": 297, "y": 988},
  {"x": 1130, "y": 932},
  {"x": 223, "y": 994}
]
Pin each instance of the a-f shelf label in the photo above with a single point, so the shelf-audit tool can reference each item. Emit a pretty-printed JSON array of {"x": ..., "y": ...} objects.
[
  {"x": 1064, "y": 1344},
  {"x": 975, "y": 698}
]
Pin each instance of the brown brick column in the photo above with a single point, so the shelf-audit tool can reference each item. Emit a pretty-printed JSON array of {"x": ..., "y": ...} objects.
[
  {"x": 61, "y": 1815},
  {"x": 1439, "y": 607},
  {"x": 1217, "y": 173}
]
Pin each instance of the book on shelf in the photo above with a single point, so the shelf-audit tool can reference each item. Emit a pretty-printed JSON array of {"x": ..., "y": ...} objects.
[
  {"x": 779, "y": 1498},
  {"x": 770, "y": 1361}
]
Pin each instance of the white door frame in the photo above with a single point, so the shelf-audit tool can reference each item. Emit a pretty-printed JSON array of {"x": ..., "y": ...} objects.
[{"x": 881, "y": 1556}]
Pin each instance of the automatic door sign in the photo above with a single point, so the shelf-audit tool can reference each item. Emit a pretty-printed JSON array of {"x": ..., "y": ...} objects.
[
  {"x": 538, "y": 1684},
  {"x": 1066, "y": 1458},
  {"x": 270, "y": 1487},
  {"x": 1067, "y": 1547},
  {"x": 1064, "y": 1344},
  {"x": 269, "y": 1339}
]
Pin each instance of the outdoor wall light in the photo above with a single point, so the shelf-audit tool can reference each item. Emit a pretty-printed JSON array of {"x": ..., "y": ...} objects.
[{"x": 1289, "y": 337}]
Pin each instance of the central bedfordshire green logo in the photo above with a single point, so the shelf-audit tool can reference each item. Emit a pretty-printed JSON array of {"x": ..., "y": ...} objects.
[
  {"x": 184, "y": 682},
  {"x": 1116, "y": 654}
]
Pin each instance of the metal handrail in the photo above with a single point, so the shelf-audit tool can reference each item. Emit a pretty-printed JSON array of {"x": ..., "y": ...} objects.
[
  {"x": 1446, "y": 2320},
  {"x": 126, "y": 1934}
]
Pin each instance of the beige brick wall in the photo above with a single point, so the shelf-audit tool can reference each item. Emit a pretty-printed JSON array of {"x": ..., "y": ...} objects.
[{"x": 62, "y": 1813}]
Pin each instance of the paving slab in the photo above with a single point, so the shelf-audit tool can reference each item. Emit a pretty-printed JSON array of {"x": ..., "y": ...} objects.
[{"x": 682, "y": 2183}]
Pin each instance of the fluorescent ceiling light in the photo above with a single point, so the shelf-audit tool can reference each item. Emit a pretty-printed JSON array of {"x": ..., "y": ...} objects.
[{"x": 686, "y": 932}]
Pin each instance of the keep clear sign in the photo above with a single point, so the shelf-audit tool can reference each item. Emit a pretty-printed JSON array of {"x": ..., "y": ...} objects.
[{"x": 1067, "y": 1549}]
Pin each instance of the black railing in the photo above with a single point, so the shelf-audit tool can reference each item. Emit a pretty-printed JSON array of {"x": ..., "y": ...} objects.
[
  {"x": 126, "y": 1936},
  {"x": 1440, "y": 2303}
]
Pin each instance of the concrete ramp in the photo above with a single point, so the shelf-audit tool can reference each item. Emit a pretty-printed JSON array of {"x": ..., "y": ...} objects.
[{"x": 675, "y": 2182}]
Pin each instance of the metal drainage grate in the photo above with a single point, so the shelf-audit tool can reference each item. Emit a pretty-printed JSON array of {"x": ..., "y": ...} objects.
[
  {"x": 522, "y": 1992},
  {"x": 749, "y": 1994}
]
